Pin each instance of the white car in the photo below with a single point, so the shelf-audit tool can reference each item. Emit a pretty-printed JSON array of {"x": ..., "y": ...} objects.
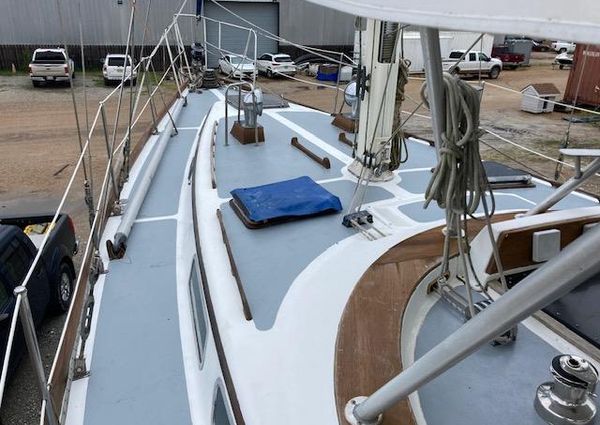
[
  {"x": 112, "y": 69},
  {"x": 563, "y": 46},
  {"x": 276, "y": 63},
  {"x": 236, "y": 66}
]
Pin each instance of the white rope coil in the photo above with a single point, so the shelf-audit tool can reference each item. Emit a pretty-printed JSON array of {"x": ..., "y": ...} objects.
[{"x": 457, "y": 180}]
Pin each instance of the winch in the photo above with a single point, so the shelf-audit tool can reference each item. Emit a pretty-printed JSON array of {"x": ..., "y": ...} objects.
[{"x": 568, "y": 400}]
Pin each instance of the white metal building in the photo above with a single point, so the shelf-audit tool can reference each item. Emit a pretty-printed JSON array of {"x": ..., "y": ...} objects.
[{"x": 538, "y": 98}]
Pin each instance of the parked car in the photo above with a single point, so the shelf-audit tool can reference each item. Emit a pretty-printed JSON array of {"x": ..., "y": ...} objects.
[
  {"x": 50, "y": 65},
  {"x": 563, "y": 46},
  {"x": 50, "y": 288},
  {"x": 236, "y": 66},
  {"x": 112, "y": 69},
  {"x": 272, "y": 64},
  {"x": 509, "y": 60},
  {"x": 473, "y": 63}
]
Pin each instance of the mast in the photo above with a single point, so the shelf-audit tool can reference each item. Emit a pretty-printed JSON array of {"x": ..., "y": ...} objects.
[{"x": 379, "y": 57}]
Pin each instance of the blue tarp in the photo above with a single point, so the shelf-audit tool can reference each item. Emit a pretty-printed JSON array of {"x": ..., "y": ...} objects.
[{"x": 290, "y": 198}]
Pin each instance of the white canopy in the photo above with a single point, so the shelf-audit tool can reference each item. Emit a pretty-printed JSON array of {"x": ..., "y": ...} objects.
[{"x": 570, "y": 20}]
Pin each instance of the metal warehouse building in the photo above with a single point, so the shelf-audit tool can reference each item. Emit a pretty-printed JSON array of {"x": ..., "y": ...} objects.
[{"x": 27, "y": 24}]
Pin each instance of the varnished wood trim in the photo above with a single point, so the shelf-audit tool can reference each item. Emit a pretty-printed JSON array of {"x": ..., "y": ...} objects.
[
  {"x": 515, "y": 246},
  {"x": 323, "y": 162},
  {"x": 234, "y": 269},
  {"x": 368, "y": 352},
  {"x": 233, "y": 399}
]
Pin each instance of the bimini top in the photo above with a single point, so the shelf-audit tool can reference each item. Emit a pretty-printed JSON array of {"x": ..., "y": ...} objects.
[{"x": 575, "y": 20}]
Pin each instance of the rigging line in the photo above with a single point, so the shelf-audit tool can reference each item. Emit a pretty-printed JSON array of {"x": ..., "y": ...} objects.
[
  {"x": 504, "y": 139},
  {"x": 509, "y": 142},
  {"x": 462, "y": 255},
  {"x": 36, "y": 261},
  {"x": 80, "y": 139},
  {"x": 160, "y": 93},
  {"x": 122, "y": 85},
  {"x": 85, "y": 98},
  {"x": 565, "y": 143},
  {"x": 139, "y": 88},
  {"x": 243, "y": 57},
  {"x": 144, "y": 33},
  {"x": 521, "y": 163},
  {"x": 127, "y": 147},
  {"x": 309, "y": 82},
  {"x": 577, "y": 108},
  {"x": 270, "y": 35}
]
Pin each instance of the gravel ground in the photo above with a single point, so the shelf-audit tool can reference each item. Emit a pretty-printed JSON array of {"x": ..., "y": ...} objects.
[{"x": 39, "y": 148}]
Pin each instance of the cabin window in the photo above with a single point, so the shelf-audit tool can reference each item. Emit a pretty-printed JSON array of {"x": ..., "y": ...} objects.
[
  {"x": 198, "y": 309},
  {"x": 221, "y": 414}
]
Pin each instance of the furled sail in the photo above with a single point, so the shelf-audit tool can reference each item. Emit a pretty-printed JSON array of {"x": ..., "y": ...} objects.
[{"x": 575, "y": 20}]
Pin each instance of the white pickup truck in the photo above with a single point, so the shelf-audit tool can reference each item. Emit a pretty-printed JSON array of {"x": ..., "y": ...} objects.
[
  {"x": 50, "y": 65},
  {"x": 473, "y": 63},
  {"x": 563, "y": 46}
]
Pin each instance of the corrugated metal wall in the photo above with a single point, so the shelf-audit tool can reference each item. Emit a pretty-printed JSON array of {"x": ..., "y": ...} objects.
[
  {"x": 314, "y": 25},
  {"x": 265, "y": 15},
  {"x": 30, "y": 22},
  {"x": 104, "y": 22},
  {"x": 586, "y": 67}
]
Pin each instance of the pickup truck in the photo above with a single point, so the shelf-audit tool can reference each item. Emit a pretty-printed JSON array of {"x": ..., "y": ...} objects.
[
  {"x": 50, "y": 288},
  {"x": 509, "y": 60},
  {"x": 50, "y": 65},
  {"x": 563, "y": 46},
  {"x": 472, "y": 64}
]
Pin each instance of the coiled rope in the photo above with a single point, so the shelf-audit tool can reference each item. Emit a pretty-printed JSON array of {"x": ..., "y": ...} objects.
[{"x": 458, "y": 181}]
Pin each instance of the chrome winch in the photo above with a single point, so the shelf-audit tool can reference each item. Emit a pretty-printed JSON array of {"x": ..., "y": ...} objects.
[{"x": 568, "y": 400}]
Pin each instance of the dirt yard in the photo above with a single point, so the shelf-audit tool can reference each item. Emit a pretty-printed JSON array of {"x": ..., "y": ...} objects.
[{"x": 39, "y": 145}]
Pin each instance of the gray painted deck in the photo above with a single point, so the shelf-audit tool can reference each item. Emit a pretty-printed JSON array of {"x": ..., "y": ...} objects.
[
  {"x": 238, "y": 165},
  {"x": 270, "y": 259},
  {"x": 137, "y": 373},
  {"x": 319, "y": 124},
  {"x": 498, "y": 384}
]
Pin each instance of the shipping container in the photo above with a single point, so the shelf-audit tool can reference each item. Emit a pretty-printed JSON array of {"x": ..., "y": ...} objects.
[{"x": 585, "y": 76}]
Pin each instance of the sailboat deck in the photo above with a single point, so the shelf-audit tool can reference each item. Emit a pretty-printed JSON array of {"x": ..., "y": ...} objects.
[{"x": 137, "y": 365}]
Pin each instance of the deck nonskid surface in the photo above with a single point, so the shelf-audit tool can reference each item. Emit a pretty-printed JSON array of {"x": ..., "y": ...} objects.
[
  {"x": 137, "y": 372},
  {"x": 137, "y": 365}
]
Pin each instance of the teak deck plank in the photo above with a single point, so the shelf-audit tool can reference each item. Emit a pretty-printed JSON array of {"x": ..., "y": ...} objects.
[{"x": 368, "y": 341}]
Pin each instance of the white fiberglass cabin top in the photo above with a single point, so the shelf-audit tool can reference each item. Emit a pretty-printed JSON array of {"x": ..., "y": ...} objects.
[{"x": 204, "y": 318}]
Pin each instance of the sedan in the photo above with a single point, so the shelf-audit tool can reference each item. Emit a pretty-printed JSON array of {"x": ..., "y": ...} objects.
[
  {"x": 276, "y": 64},
  {"x": 236, "y": 66}
]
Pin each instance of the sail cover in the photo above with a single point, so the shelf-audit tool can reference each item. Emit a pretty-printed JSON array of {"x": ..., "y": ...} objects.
[
  {"x": 574, "y": 20},
  {"x": 296, "y": 198}
]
